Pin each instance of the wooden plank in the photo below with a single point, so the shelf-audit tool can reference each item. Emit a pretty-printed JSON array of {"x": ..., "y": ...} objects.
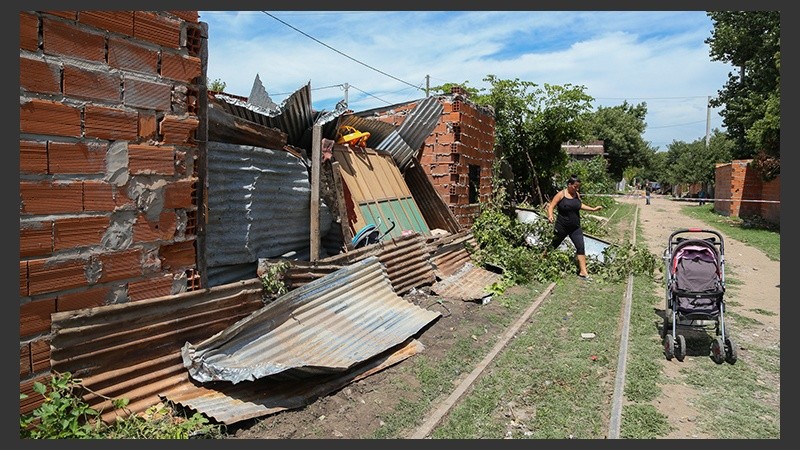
[
  {"x": 316, "y": 160},
  {"x": 344, "y": 219}
]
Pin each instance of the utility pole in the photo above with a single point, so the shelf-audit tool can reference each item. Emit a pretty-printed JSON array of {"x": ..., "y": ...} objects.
[
  {"x": 708, "y": 121},
  {"x": 427, "y": 85},
  {"x": 346, "y": 87}
]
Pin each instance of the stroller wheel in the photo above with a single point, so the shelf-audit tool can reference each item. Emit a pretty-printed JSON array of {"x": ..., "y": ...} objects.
[
  {"x": 664, "y": 329},
  {"x": 680, "y": 348},
  {"x": 718, "y": 350},
  {"x": 730, "y": 351},
  {"x": 669, "y": 347}
]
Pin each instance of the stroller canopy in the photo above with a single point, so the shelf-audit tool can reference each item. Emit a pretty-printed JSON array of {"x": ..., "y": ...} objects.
[{"x": 695, "y": 266}]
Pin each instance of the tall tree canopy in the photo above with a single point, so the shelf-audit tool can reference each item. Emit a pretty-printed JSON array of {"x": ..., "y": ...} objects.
[
  {"x": 621, "y": 128},
  {"x": 531, "y": 123},
  {"x": 750, "y": 41},
  {"x": 695, "y": 162}
]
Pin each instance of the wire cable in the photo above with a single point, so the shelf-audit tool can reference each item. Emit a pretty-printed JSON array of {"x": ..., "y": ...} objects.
[{"x": 339, "y": 52}]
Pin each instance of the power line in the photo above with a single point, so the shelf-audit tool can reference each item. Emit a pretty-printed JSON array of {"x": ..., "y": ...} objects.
[
  {"x": 339, "y": 52},
  {"x": 652, "y": 98},
  {"x": 367, "y": 93},
  {"x": 677, "y": 125},
  {"x": 314, "y": 89}
]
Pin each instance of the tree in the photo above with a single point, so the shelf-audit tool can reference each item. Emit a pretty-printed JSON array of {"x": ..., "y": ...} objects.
[
  {"x": 695, "y": 162},
  {"x": 620, "y": 128},
  {"x": 593, "y": 174},
  {"x": 217, "y": 85},
  {"x": 656, "y": 167},
  {"x": 446, "y": 88},
  {"x": 652, "y": 169},
  {"x": 531, "y": 123},
  {"x": 750, "y": 41}
]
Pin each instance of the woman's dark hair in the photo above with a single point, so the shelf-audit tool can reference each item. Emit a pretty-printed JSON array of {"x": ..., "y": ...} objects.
[{"x": 573, "y": 179}]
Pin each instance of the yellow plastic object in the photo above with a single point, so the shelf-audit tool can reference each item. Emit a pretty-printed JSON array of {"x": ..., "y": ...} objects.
[{"x": 350, "y": 135}]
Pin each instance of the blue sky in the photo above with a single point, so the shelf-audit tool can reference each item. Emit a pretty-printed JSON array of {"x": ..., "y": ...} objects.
[{"x": 384, "y": 57}]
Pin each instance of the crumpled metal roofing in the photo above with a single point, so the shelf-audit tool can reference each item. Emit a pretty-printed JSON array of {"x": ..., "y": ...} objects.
[
  {"x": 450, "y": 253},
  {"x": 416, "y": 127},
  {"x": 378, "y": 130},
  {"x": 406, "y": 259},
  {"x": 259, "y": 203},
  {"x": 468, "y": 283},
  {"x": 328, "y": 325},
  {"x": 259, "y": 96},
  {"x": 294, "y": 116},
  {"x": 230, "y": 403},
  {"x": 132, "y": 350},
  {"x": 401, "y": 142}
]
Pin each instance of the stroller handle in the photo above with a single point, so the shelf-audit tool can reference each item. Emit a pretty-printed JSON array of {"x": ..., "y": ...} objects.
[{"x": 700, "y": 230}]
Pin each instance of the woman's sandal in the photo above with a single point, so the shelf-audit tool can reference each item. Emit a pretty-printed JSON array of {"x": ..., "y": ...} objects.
[{"x": 585, "y": 277}]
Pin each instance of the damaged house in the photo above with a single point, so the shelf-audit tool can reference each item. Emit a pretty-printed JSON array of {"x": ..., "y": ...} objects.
[{"x": 150, "y": 208}]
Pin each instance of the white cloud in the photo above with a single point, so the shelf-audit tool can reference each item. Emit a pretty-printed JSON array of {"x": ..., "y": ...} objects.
[{"x": 640, "y": 56}]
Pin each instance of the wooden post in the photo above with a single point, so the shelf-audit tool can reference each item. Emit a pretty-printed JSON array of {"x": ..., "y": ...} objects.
[
  {"x": 202, "y": 166},
  {"x": 316, "y": 157},
  {"x": 344, "y": 219}
]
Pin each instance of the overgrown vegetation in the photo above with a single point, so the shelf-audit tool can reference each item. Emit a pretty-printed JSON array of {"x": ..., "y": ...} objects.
[
  {"x": 523, "y": 250},
  {"x": 273, "y": 279},
  {"x": 65, "y": 415}
]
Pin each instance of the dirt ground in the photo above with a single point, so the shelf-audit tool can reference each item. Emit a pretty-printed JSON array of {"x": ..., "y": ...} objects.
[
  {"x": 760, "y": 289},
  {"x": 354, "y": 411}
]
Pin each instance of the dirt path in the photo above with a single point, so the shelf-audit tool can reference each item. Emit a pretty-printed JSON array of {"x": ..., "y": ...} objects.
[
  {"x": 355, "y": 412},
  {"x": 757, "y": 289}
]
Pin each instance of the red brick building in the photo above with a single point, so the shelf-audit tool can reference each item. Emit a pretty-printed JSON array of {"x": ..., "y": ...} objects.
[
  {"x": 107, "y": 193},
  {"x": 742, "y": 192},
  {"x": 458, "y": 155}
]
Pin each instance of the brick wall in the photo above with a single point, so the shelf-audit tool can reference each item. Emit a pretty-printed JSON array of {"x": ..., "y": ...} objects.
[
  {"x": 744, "y": 194},
  {"x": 464, "y": 136},
  {"x": 108, "y": 113},
  {"x": 771, "y": 190}
]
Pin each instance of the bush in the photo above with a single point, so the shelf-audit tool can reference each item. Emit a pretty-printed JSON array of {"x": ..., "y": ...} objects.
[{"x": 64, "y": 415}]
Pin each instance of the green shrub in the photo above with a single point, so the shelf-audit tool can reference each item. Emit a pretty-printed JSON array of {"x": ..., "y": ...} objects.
[{"x": 64, "y": 415}]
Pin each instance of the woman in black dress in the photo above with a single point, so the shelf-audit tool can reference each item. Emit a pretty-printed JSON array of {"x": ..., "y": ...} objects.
[{"x": 568, "y": 222}]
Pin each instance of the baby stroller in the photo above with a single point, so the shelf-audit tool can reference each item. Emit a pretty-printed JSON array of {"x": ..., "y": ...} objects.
[{"x": 695, "y": 293}]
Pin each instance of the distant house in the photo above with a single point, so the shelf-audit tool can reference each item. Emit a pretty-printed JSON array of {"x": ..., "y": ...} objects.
[{"x": 584, "y": 150}]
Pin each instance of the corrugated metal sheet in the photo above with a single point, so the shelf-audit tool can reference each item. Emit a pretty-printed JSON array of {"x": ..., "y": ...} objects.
[
  {"x": 434, "y": 210},
  {"x": 420, "y": 122},
  {"x": 378, "y": 130},
  {"x": 294, "y": 116},
  {"x": 259, "y": 204},
  {"x": 450, "y": 253},
  {"x": 398, "y": 148},
  {"x": 326, "y": 326},
  {"x": 259, "y": 96},
  {"x": 374, "y": 184},
  {"x": 468, "y": 283},
  {"x": 406, "y": 260},
  {"x": 219, "y": 275},
  {"x": 416, "y": 127},
  {"x": 230, "y": 403},
  {"x": 132, "y": 350},
  {"x": 594, "y": 246},
  {"x": 407, "y": 263}
]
